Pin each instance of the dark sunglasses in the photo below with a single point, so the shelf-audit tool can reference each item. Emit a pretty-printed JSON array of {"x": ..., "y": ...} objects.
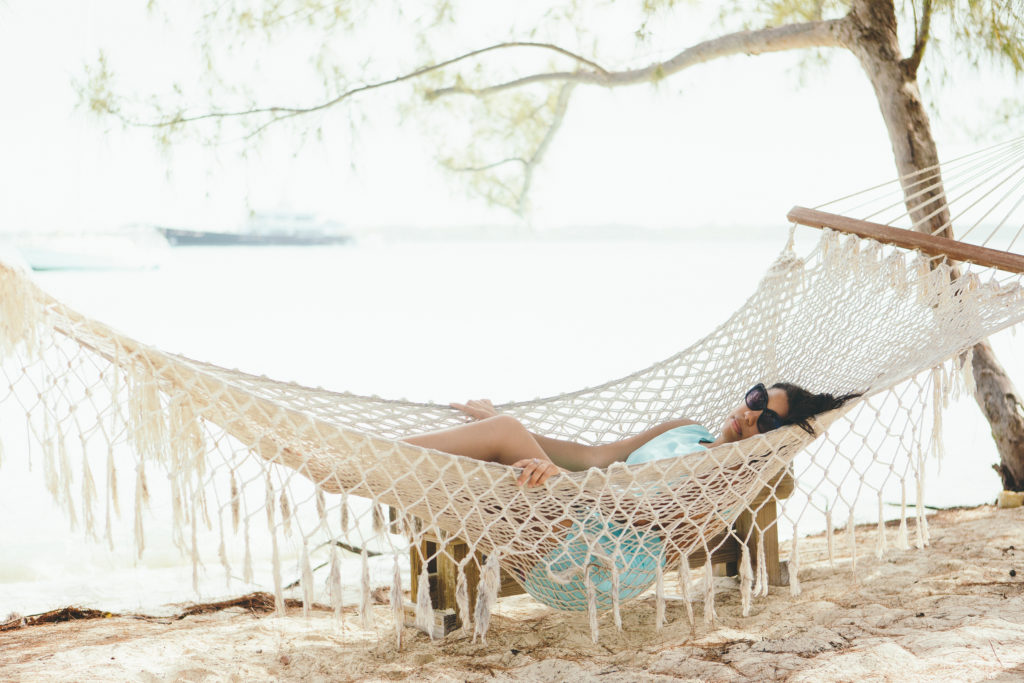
[{"x": 757, "y": 399}]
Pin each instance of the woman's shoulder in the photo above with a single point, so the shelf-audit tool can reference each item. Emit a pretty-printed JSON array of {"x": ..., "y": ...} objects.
[
  {"x": 678, "y": 422},
  {"x": 680, "y": 427},
  {"x": 688, "y": 427}
]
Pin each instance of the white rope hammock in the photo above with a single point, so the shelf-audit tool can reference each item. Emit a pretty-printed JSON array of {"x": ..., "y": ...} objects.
[{"x": 252, "y": 461}]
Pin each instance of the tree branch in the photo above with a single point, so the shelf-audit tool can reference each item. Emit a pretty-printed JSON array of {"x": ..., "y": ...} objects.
[
  {"x": 530, "y": 164},
  {"x": 775, "y": 39},
  {"x": 559, "y": 115},
  {"x": 911, "y": 64},
  {"x": 819, "y": 33},
  {"x": 488, "y": 167},
  {"x": 280, "y": 113}
]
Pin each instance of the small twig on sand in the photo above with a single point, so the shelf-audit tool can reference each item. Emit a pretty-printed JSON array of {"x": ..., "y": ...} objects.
[
  {"x": 255, "y": 602},
  {"x": 344, "y": 546},
  {"x": 990, "y": 583},
  {"x": 995, "y": 653},
  {"x": 296, "y": 582},
  {"x": 351, "y": 548},
  {"x": 937, "y": 508},
  {"x": 54, "y": 616}
]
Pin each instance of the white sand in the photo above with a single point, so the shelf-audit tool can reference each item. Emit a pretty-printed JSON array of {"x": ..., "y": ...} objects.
[{"x": 949, "y": 612}]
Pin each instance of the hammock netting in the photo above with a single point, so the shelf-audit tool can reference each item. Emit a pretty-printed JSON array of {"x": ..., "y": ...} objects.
[{"x": 254, "y": 466}]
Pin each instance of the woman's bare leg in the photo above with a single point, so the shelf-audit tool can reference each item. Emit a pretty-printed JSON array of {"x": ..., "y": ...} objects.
[{"x": 501, "y": 438}]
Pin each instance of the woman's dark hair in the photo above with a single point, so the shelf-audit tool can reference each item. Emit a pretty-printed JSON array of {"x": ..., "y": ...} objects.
[{"x": 804, "y": 405}]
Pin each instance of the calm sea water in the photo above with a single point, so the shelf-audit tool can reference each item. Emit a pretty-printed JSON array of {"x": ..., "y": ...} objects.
[{"x": 437, "y": 321}]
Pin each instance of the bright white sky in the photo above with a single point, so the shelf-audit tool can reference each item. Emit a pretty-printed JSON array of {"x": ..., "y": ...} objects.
[{"x": 730, "y": 143}]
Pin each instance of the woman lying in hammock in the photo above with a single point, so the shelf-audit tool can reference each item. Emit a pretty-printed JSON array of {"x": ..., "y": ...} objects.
[{"x": 502, "y": 438}]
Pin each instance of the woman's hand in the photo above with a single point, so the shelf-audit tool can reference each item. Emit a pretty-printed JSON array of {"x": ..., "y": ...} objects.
[
  {"x": 478, "y": 409},
  {"x": 536, "y": 471}
]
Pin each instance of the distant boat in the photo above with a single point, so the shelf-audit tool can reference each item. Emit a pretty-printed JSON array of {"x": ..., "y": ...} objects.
[
  {"x": 264, "y": 229},
  {"x": 130, "y": 248},
  {"x": 178, "y": 237}
]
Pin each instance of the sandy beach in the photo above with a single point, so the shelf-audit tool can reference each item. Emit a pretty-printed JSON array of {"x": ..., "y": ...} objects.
[{"x": 953, "y": 611}]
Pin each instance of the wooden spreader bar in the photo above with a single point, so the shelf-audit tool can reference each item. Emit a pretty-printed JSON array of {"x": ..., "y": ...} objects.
[{"x": 910, "y": 239}]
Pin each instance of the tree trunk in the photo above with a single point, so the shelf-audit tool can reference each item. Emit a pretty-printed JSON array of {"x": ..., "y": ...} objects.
[
  {"x": 869, "y": 31},
  {"x": 1001, "y": 404}
]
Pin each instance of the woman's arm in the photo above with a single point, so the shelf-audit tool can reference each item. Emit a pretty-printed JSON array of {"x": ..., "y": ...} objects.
[
  {"x": 576, "y": 456},
  {"x": 570, "y": 455}
]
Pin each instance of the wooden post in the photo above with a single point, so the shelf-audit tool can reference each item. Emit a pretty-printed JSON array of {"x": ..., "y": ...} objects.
[
  {"x": 760, "y": 514},
  {"x": 443, "y": 573},
  {"x": 766, "y": 519}
]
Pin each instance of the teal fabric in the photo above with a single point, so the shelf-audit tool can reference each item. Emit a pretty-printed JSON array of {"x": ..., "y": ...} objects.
[
  {"x": 672, "y": 444},
  {"x": 558, "y": 580},
  {"x": 637, "y": 557}
]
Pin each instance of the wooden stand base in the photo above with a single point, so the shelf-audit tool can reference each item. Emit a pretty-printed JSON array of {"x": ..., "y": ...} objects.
[{"x": 757, "y": 522}]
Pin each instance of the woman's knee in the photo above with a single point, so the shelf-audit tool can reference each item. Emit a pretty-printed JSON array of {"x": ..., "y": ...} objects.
[
  {"x": 509, "y": 440},
  {"x": 506, "y": 424}
]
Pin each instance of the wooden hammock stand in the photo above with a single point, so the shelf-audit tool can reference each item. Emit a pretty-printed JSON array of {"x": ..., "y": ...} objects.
[{"x": 445, "y": 556}]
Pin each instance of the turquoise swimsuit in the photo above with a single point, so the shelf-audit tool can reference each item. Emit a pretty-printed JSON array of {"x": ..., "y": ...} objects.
[
  {"x": 637, "y": 555},
  {"x": 671, "y": 444}
]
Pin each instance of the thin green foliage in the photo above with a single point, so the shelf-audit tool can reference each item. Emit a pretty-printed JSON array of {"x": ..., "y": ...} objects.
[{"x": 418, "y": 58}]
